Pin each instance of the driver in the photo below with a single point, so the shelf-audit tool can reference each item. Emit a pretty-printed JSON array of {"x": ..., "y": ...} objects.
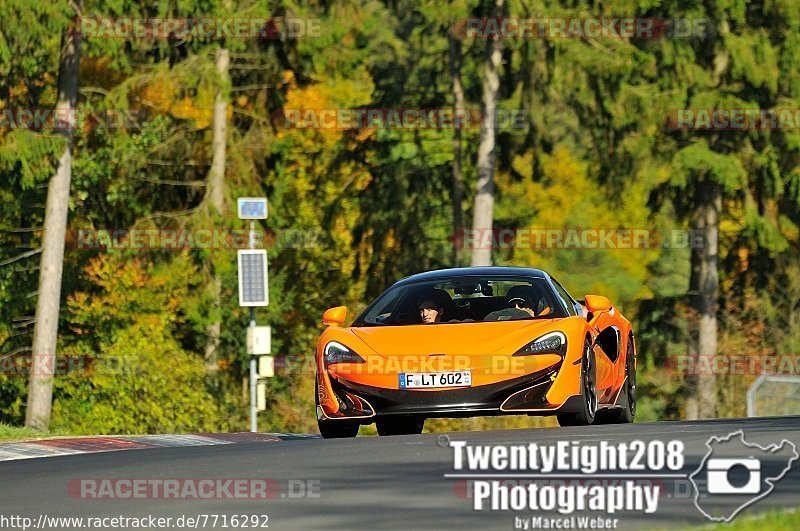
[
  {"x": 522, "y": 304},
  {"x": 529, "y": 300}
]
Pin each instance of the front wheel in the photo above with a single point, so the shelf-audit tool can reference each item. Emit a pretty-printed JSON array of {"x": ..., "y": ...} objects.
[
  {"x": 400, "y": 426},
  {"x": 334, "y": 429},
  {"x": 588, "y": 405},
  {"x": 625, "y": 411},
  {"x": 337, "y": 429},
  {"x": 628, "y": 413}
]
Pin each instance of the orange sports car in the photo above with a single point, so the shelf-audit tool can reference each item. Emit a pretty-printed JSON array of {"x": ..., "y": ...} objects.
[{"x": 474, "y": 341}]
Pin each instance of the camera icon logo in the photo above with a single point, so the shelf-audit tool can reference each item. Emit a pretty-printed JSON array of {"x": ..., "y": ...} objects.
[
  {"x": 724, "y": 476},
  {"x": 735, "y": 474}
]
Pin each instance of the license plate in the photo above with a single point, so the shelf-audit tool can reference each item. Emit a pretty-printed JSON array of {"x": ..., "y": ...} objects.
[{"x": 432, "y": 380}]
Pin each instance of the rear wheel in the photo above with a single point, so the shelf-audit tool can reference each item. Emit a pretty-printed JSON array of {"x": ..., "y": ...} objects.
[
  {"x": 588, "y": 405},
  {"x": 400, "y": 426}
]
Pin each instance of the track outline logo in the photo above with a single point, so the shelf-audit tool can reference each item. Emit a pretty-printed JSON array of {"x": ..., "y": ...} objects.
[{"x": 770, "y": 480}]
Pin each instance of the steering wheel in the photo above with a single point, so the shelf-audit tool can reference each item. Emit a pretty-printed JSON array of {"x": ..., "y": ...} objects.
[{"x": 517, "y": 301}]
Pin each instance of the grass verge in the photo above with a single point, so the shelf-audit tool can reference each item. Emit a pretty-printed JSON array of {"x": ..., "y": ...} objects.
[
  {"x": 788, "y": 519},
  {"x": 21, "y": 433}
]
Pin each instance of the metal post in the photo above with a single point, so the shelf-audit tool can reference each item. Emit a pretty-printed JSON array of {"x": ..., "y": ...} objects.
[
  {"x": 751, "y": 395},
  {"x": 252, "y": 208},
  {"x": 253, "y": 370},
  {"x": 253, "y": 381}
]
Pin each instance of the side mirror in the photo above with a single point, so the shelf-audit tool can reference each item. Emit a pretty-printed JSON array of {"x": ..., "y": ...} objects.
[
  {"x": 334, "y": 316},
  {"x": 597, "y": 303}
]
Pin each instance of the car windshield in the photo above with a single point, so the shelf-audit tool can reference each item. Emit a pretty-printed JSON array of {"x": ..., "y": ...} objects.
[{"x": 463, "y": 299}]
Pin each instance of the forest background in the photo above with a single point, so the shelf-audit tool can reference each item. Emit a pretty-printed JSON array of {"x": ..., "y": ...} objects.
[{"x": 171, "y": 127}]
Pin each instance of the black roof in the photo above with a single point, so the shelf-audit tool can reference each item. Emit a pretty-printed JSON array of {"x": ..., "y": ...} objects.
[{"x": 441, "y": 274}]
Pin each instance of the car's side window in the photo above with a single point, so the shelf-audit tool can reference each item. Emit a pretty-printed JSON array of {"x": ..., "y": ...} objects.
[
  {"x": 568, "y": 301},
  {"x": 380, "y": 313}
]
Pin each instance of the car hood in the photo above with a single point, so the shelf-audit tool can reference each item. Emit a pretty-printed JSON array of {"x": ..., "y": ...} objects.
[{"x": 452, "y": 338}]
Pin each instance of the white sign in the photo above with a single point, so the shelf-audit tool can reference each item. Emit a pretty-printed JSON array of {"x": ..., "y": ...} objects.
[
  {"x": 261, "y": 396},
  {"x": 266, "y": 366},
  {"x": 259, "y": 340}
]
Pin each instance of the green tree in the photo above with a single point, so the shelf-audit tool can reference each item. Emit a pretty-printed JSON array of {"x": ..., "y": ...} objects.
[{"x": 136, "y": 378}]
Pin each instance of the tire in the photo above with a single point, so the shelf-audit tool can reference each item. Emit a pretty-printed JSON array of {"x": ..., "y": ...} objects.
[
  {"x": 628, "y": 412},
  {"x": 400, "y": 426},
  {"x": 334, "y": 429},
  {"x": 588, "y": 408},
  {"x": 607, "y": 416},
  {"x": 566, "y": 419},
  {"x": 337, "y": 429}
]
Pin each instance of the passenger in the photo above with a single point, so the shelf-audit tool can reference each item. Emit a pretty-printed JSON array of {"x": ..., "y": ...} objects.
[{"x": 430, "y": 311}]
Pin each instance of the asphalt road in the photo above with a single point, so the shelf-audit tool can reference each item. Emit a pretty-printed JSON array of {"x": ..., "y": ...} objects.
[{"x": 389, "y": 482}]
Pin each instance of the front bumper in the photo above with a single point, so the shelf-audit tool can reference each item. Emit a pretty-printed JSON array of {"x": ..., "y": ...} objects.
[{"x": 521, "y": 395}]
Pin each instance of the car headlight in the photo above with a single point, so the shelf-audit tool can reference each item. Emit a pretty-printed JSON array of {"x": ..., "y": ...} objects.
[
  {"x": 337, "y": 353},
  {"x": 551, "y": 343}
]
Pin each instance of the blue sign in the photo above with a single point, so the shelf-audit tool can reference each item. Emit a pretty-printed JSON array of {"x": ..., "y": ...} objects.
[{"x": 252, "y": 207}]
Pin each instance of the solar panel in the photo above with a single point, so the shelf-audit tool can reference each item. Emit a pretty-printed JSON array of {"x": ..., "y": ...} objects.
[{"x": 253, "y": 278}]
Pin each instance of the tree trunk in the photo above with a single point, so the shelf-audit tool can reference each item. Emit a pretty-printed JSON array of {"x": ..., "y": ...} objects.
[
  {"x": 48, "y": 304},
  {"x": 457, "y": 189},
  {"x": 215, "y": 195},
  {"x": 483, "y": 206},
  {"x": 709, "y": 296},
  {"x": 704, "y": 285},
  {"x": 215, "y": 182},
  {"x": 214, "y": 328}
]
